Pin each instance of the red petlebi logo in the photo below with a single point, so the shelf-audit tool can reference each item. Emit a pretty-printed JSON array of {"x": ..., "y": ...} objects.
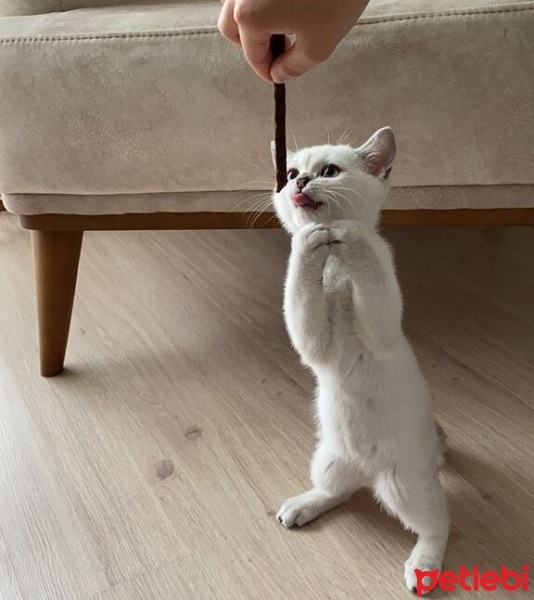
[{"x": 472, "y": 580}]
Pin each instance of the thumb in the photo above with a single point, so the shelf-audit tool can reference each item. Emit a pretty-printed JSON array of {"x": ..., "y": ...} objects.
[{"x": 301, "y": 57}]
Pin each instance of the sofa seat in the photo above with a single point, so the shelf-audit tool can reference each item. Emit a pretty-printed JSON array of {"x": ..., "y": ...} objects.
[{"x": 114, "y": 107}]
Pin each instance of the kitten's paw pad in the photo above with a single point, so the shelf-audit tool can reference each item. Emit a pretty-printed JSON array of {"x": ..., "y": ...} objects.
[
  {"x": 427, "y": 578},
  {"x": 299, "y": 510}
]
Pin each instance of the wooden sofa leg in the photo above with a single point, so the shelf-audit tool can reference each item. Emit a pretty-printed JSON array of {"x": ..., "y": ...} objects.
[{"x": 56, "y": 256}]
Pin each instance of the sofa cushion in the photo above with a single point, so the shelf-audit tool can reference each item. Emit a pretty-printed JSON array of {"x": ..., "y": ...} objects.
[
  {"x": 37, "y": 7},
  {"x": 383, "y": 7},
  {"x": 147, "y": 98}
]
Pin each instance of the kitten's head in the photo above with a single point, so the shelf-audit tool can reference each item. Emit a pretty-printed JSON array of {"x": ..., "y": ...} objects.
[{"x": 328, "y": 183}]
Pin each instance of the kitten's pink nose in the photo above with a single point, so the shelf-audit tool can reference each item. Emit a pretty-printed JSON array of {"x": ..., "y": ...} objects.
[{"x": 302, "y": 182}]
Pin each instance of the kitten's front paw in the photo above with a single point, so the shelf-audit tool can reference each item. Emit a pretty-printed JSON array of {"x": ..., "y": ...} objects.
[
  {"x": 302, "y": 509},
  {"x": 345, "y": 232},
  {"x": 350, "y": 241},
  {"x": 311, "y": 237},
  {"x": 310, "y": 245}
]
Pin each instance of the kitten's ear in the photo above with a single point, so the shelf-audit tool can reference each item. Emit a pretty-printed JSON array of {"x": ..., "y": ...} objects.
[{"x": 378, "y": 152}]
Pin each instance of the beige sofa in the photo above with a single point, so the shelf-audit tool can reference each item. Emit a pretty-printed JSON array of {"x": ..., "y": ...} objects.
[{"x": 123, "y": 114}]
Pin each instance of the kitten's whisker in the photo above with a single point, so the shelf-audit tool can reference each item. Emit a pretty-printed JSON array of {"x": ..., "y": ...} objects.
[
  {"x": 265, "y": 182},
  {"x": 259, "y": 208},
  {"x": 341, "y": 205},
  {"x": 261, "y": 199},
  {"x": 273, "y": 216},
  {"x": 254, "y": 218},
  {"x": 256, "y": 198},
  {"x": 352, "y": 191},
  {"x": 253, "y": 209},
  {"x": 345, "y": 134},
  {"x": 333, "y": 199},
  {"x": 261, "y": 196},
  {"x": 295, "y": 144}
]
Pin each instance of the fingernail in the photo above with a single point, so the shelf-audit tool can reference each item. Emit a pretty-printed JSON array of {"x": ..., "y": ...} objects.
[{"x": 279, "y": 77}]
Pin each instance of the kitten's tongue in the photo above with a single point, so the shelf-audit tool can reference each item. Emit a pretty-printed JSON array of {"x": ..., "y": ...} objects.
[{"x": 303, "y": 200}]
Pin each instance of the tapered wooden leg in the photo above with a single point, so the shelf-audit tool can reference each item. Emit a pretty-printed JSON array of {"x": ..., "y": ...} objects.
[{"x": 56, "y": 255}]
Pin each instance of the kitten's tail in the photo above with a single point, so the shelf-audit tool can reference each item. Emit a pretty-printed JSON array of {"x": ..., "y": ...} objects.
[{"x": 442, "y": 443}]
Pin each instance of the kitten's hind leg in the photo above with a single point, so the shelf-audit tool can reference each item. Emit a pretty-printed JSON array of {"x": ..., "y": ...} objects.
[
  {"x": 420, "y": 504},
  {"x": 334, "y": 478}
]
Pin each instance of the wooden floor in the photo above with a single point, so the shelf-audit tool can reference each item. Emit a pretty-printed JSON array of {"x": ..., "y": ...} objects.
[{"x": 153, "y": 468}]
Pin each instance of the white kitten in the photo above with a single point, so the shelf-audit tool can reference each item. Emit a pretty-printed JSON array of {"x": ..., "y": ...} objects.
[{"x": 343, "y": 311}]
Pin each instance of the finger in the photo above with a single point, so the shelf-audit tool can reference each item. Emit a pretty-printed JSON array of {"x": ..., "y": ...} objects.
[
  {"x": 301, "y": 57},
  {"x": 257, "y": 48},
  {"x": 227, "y": 25}
]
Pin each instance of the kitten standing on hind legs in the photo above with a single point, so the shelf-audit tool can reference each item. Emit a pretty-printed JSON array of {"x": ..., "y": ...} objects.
[{"x": 343, "y": 311}]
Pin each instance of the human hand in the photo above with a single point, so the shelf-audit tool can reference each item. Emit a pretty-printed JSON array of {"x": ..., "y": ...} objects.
[{"x": 319, "y": 26}]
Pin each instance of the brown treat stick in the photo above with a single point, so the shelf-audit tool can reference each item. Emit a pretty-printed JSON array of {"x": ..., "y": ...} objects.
[{"x": 278, "y": 43}]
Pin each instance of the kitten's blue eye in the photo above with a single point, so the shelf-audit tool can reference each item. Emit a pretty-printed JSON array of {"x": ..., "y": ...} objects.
[
  {"x": 330, "y": 171},
  {"x": 292, "y": 174}
]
